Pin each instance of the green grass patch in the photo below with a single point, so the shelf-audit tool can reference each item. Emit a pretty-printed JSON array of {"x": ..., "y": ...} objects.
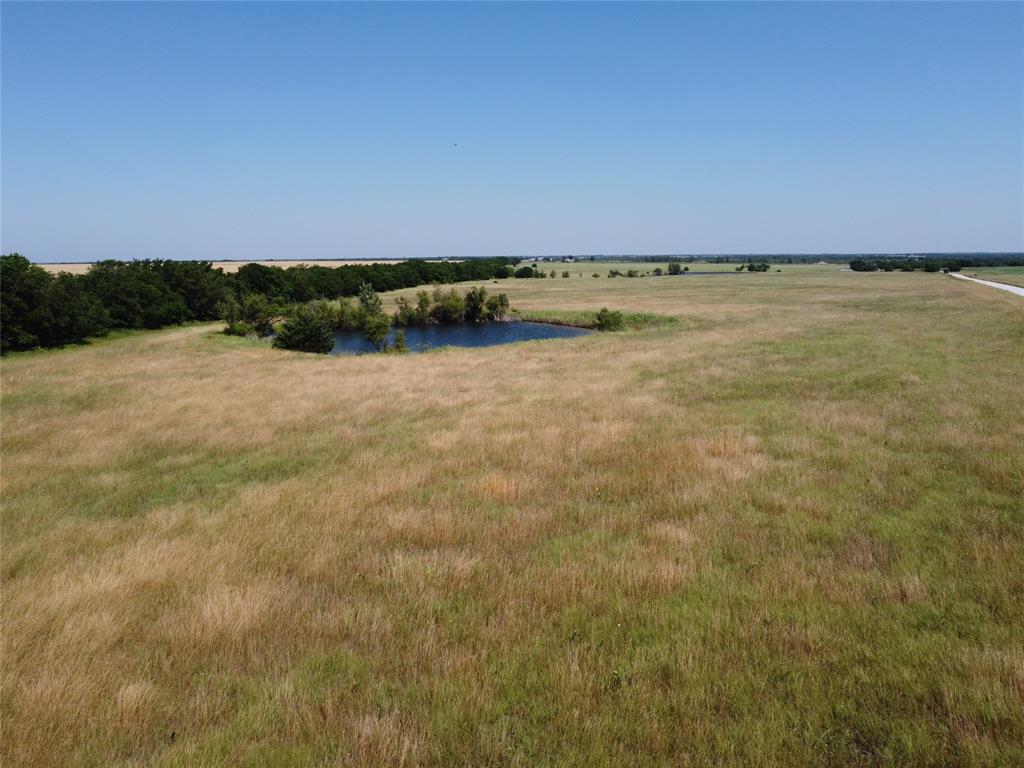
[{"x": 632, "y": 321}]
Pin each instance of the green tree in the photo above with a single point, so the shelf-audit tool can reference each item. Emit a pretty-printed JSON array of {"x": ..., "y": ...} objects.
[
  {"x": 498, "y": 307},
  {"x": 674, "y": 268},
  {"x": 369, "y": 301},
  {"x": 307, "y": 330},
  {"x": 448, "y": 307},
  {"x": 475, "y": 304},
  {"x": 376, "y": 329}
]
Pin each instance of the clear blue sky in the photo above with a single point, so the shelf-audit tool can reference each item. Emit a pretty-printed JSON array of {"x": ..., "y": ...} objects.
[{"x": 287, "y": 130}]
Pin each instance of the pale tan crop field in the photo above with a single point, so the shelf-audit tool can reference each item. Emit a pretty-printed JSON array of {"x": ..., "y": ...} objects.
[{"x": 786, "y": 531}]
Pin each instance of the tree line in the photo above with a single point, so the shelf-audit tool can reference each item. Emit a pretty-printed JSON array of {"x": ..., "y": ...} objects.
[
  {"x": 310, "y": 327},
  {"x": 39, "y": 309},
  {"x": 931, "y": 264}
]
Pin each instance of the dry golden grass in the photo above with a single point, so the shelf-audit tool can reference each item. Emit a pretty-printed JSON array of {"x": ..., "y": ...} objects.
[{"x": 785, "y": 531}]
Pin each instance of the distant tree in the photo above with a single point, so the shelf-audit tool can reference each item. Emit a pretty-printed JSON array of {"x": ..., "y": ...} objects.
[
  {"x": 526, "y": 272},
  {"x": 674, "y": 268},
  {"x": 658, "y": 271}
]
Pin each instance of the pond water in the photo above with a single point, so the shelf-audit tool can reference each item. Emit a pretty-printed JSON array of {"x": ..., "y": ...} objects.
[{"x": 421, "y": 338}]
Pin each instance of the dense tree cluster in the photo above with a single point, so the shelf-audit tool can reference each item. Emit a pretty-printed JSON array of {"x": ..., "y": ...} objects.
[
  {"x": 38, "y": 309},
  {"x": 449, "y": 307},
  {"x": 310, "y": 327},
  {"x": 930, "y": 264}
]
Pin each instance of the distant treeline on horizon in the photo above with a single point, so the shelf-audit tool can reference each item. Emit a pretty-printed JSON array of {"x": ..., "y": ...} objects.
[
  {"x": 688, "y": 258},
  {"x": 39, "y": 309}
]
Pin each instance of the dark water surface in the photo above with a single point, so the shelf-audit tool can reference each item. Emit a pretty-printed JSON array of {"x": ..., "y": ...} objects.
[{"x": 420, "y": 338}]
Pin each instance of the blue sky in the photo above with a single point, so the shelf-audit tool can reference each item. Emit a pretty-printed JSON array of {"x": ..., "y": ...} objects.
[{"x": 293, "y": 130}]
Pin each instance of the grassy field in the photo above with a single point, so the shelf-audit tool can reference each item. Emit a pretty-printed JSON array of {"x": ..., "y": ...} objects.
[
  {"x": 1011, "y": 275},
  {"x": 785, "y": 529},
  {"x": 602, "y": 268}
]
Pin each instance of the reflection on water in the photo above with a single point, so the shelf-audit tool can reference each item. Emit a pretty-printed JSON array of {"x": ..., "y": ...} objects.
[{"x": 420, "y": 338}]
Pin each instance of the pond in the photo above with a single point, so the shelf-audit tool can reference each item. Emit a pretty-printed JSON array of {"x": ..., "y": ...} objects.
[{"x": 422, "y": 338}]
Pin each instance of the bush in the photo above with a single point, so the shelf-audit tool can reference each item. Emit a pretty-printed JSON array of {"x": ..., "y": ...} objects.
[
  {"x": 376, "y": 329},
  {"x": 369, "y": 301},
  {"x": 498, "y": 307},
  {"x": 239, "y": 328},
  {"x": 406, "y": 312},
  {"x": 608, "y": 320},
  {"x": 658, "y": 271},
  {"x": 448, "y": 307},
  {"x": 525, "y": 272},
  {"x": 475, "y": 304},
  {"x": 254, "y": 310},
  {"x": 565, "y": 273},
  {"x": 674, "y": 269},
  {"x": 307, "y": 330}
]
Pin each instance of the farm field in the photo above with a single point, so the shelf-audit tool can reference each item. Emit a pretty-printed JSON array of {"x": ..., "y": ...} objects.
[{"x": 784, "y": 530}]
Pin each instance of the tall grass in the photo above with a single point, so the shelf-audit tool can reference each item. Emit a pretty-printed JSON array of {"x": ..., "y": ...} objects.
[{"x": 785, "y": 531}]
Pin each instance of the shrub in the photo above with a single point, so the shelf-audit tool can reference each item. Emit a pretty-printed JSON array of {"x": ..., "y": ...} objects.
[
  {"x": 406, "y": 313},
  {"x": 658, "y": 271},
  {"x": 400, "y": 347},
  {"x": 525, "y": 272},
  {"x": 307, "y": 330},
  {"x": 239, "y": 328},
  {"x": 608, "y": 320},
  {"x": 369, "y": 301},
  {"x": 254, "y": 310},
  {"x": 565, "y": 273},
  {"x": 475, "y": 304},
  {"x": 376, "y": 329},
  {"x": 448, "y": 307},
  {"x": 498, "y": 307},
  {"x": 673, "y": 268}
]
